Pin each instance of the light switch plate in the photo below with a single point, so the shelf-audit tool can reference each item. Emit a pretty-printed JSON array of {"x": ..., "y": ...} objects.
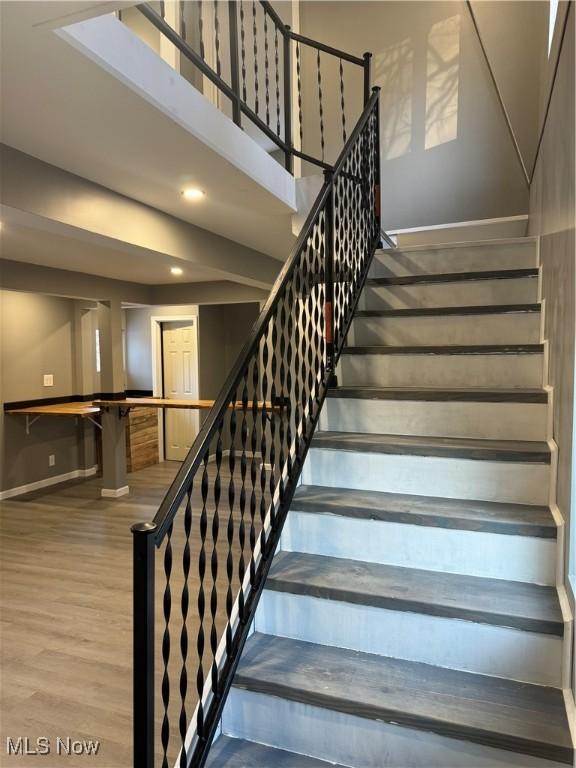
[{"x": 48, "y": 379}]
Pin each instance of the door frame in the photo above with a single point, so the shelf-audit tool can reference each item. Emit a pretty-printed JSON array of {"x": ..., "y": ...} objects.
[{"x": 156, "y": 322}]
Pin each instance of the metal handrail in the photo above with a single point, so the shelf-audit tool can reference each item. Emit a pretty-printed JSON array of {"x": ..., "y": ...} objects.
[
  {"x": 336, "y": 256},
  {"x": 232, "y": 92},
  {"x": 286, "y": 30},
  {"x": 171, "y": 502}
]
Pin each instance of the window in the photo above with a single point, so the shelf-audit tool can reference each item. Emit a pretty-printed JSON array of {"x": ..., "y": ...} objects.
[
  {"x": 553, "y": 8},
  {"x": 97, "y": 347}
]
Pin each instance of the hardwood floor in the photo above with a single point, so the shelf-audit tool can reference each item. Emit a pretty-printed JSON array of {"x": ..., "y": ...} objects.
[{"x": 66, "y": 615}]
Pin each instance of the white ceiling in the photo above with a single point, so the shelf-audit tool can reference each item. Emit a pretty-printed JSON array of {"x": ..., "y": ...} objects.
[
  {"x": 69, "y": 250},
  {"x": 60, "y": 106}
]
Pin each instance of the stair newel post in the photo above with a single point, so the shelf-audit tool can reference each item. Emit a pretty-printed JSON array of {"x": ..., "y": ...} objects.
[
  {"x": 234, "y": 68},
  {"x": 329, "y": 282},
  {"x": 367, "y": 67},
  {"x": 287, "y": 64},
  {"x": 144, "y": 549},
  {"x": 377, "y": 185}
]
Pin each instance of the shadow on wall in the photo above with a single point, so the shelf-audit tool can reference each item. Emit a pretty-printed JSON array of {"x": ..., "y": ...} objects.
[{"x": 411, "y": 119}]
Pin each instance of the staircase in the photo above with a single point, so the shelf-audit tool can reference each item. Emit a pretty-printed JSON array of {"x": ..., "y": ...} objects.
[{"x": 410, "y": 618}]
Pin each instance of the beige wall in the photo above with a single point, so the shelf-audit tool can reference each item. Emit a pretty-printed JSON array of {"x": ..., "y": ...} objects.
[{"x": 446, "y": 152}]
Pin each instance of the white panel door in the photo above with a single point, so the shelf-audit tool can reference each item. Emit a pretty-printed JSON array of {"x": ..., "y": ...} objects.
[{"x": 180, "y": 371}]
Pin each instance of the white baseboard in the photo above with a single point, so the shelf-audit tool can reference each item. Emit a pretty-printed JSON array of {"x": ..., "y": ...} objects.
[
  {"x": 571, "y": 712},
  {"x": 114, "y": 493},
  {"x": 458, "y": 224},
  {"x": 55, "y": 480}
]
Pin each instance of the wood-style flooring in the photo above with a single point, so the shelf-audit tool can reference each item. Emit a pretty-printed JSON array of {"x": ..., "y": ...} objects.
[{"x": 66, "y": 615}]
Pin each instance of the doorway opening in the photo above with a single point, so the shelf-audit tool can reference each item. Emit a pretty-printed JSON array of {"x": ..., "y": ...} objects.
[{"x": 176, "y": 377}]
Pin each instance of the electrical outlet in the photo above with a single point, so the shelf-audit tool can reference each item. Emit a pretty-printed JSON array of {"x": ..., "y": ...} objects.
[
  {"x": 51, "y": 460},
  {"x": 48, "y": 379}
]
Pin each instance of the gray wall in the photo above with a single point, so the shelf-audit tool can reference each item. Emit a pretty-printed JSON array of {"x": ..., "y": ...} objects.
[
  {"x": 446, "y": 152},
  {"x": 515, "y": 36},
  {"x": 37, "y": 337},
  {"x": 223, "y": 330},
  {"x": 139, "y": 341},
  {"x": 552, "y": 204}
]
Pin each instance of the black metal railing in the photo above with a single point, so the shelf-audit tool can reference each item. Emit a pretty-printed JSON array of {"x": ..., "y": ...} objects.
[
  {"x": 218, "y": 527},
  {"x": 247, "y": 52}
]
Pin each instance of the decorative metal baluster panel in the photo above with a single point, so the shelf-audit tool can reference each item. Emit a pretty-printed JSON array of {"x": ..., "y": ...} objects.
[
  {"x": 277, "y": 77},
  {"x": 217, "y": 541},
  {"x": 241, "y": 56},
  {"x": 355, "y": 223},
  {"x": 299, "y": 92},
  {"x": 255, "y": 56}
]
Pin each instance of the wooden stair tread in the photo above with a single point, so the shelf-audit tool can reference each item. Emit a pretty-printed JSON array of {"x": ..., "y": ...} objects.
[
  {"x": 492, "y": 711},
  {"x": 229, "y": 752},
  {"x": 492, "y": 309},
  {"x": 534, "y": 452},
  {"x": 482, "y": 395},
  {"x": 487, "y": 516},
  {"x": 454, "y": 277},
  {"x": 527, "y": 607},
  {"x": 446, "y": 349}
]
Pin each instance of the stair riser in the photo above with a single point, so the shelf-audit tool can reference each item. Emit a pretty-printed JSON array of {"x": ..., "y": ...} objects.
[
  {"x": 472, "y": 371},
  {"x": 450, "y": 478},
  {"x": 514, "y": 328},
  {"x": 472, "y": 553},
  {"x": 347, "y": 739},
  {"x": 468, "y": 646},
  {"x": 478, "y": 258},
  {"x": 522, "y": 290},
  {"x": 495, "y": 421}
]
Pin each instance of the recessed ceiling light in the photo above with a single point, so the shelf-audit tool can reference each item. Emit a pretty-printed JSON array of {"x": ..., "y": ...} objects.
[
  {"x": 193, "y": 193},
  {"x": 176, "y": 270}
]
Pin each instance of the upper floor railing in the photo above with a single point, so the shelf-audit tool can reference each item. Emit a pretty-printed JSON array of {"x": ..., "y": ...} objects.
[
  {"x": 285, "y": 88},
  {"x": 219, "y": 525}
]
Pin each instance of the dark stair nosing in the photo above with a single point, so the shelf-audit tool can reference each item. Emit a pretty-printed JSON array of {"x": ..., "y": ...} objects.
[
  {"x": 227, "y": 752},
  {"x": 455, "y": 277},
  {"x": 495, "y": 309},
  {"x": 441, "y": 395},
  {"x": 499, "y": 603},
  {"x": 446, "y": 349},
  {"x": 520, "y": 451},
  {"x": 504, "y": 714},
  {"x": 482, "y": 516}
]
